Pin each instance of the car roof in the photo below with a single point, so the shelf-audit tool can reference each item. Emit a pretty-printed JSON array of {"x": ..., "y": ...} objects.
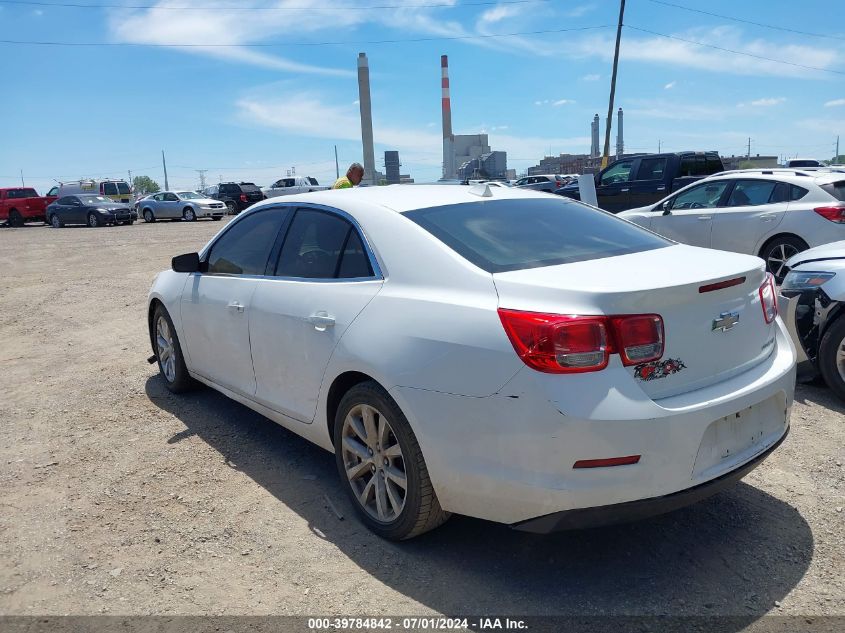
[
  {"x": 797, "y": 176},
  {"x": 404, "y": 198}
]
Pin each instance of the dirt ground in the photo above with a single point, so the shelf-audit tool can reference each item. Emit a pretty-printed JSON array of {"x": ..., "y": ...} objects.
[{"x": 118, "y": 497}]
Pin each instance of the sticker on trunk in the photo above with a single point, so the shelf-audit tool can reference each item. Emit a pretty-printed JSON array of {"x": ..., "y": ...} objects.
[{"x": 657, "y": 369}]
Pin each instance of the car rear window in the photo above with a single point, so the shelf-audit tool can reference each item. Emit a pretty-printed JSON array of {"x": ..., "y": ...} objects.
[
  {"x": 503, "y": 235},
  {"x": 836, "y": 189},
  {"x": 248, "y": 187},
  {"x": 122, "y": 188},
  {"x": 313, "y": 181}
]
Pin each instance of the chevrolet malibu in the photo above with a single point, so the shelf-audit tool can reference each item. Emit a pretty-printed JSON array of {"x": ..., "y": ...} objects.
[{"x": 492, "y": 352}]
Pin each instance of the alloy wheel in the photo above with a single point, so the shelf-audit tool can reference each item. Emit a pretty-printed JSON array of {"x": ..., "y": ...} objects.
[
  {"x": 165, "y": 348},
  {"x": 778, "y": 257},
  {"x": 374, "y": 464},
  {"x": 93, "y": 221},
  {"x": 55, "y": 222},
  {"x": 189, "y": 215},
  {"x": 840, "y": 359}
]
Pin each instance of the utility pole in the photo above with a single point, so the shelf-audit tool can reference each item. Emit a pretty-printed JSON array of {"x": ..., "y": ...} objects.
[
  {"x": 201, "y": 172},
  {"x": 336, "y": 166},
  {"x": 164, "y": 164},
  {"x": 836, "y": 157},
  {"x": 22, "y": 183},
  {"x": 748, "y": 154},
  {"x": 658, "y": 146},
  {"x": 606, "y": 152},
  {"x": 129, "y": 171}
]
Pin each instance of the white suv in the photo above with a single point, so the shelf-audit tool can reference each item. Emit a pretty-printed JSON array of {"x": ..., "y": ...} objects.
[{"x": 772, "y": 213}]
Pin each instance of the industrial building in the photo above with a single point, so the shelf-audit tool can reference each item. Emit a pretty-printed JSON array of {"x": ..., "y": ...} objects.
[
  {"x": 392, "y": 173},
  {"x": 489, "y": 165}
]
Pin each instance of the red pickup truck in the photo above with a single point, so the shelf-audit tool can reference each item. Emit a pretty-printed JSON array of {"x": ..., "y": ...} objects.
[{"x": 23, "y": 204}]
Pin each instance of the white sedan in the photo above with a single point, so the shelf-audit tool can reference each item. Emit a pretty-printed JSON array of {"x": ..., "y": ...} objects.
[
  {"x": 772, "y": 213},
  {"x": 493, "y": 352},
  {"x": 179, "y": 205}
]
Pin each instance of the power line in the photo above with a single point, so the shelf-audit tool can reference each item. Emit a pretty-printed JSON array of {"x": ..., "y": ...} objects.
[
  {"x": 279, "y": 45},
  {"x": 77, "y": 5},
  {"x": 735, "y": 52},
  {"x": 728, "y": 17}
]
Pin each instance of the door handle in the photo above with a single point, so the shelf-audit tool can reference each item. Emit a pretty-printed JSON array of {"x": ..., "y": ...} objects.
[
  {"x": 237, "y": 307},
  {"x": 704, "y": 217},
  {"x": 321, "y": 320},
  {"x": 662, "y": 188},
  {"x": 625, "y": 190}
]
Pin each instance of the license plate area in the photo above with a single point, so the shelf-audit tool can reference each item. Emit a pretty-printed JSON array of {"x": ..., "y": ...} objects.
[{"x": 736, "y": 438}]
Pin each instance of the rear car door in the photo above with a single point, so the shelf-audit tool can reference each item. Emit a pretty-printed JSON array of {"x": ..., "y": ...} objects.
[
  {"x": 753, "y": 209},
  {"x": 614, "y": 185},
  {"x": 649, "y": 185},
  {"x": 688, "y": 217},
  {"x": 216, "y": 303},
  {"x": 325, "y": 276},
  {"x": 75, "y": 211}
]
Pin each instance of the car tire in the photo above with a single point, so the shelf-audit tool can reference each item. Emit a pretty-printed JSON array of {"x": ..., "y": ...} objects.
[
  {"x": 777, "y": 251},
  {"x": 832, "y": 357},
  {"x": 168, "y": 352},
  {"x": 130, "y": 223},
  {"x": 15, "y": 218},
  {"x": 56, "y": 222},
  {"x": 93, "y": 220},
  {"x": 230, "y": 208},
  {"x": 148, "y": 216},
  {"x": 378, "y": 465},
  {"x": 189, "y": 215}
]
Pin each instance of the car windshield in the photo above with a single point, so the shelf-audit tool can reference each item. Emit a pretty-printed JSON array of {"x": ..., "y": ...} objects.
[
  {"x": 95, "y": 200},
  {"x": 189, "y": 195},
  {"x": 503, "y": 235}
]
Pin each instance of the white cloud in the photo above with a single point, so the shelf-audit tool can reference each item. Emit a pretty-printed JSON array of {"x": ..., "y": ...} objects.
[
  {"x": 834, "y": 103},
  {"x": 669, "y": 52},
  {"x": 499, "y": 13},
  {"x": 577, "y": 12},
  {"x": 561, "y": 102},
  {"x": 767, "y": 102},
  {"x": 591, "y": 77},
  {"x": 670, "y": 85},
  {"x": 540, "y": 103}
]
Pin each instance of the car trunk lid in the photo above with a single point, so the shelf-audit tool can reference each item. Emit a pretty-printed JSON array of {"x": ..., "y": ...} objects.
[{"x": 711, "y": 332}]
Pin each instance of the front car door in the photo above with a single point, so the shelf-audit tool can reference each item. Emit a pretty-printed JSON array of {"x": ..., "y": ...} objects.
[
  {"x": 170, "y": 205},
  {"x": 74, "y": 211},
  {"x": 326, "y": 274},
  {"x": 216, "y": 303},
  {"x": 688, "y": 217},
  {"x": 753, "y": 209},
  {"x": 614, "y": 185}
]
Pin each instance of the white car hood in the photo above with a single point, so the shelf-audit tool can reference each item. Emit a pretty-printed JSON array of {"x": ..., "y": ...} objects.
[{"x": 834, "y": 250}]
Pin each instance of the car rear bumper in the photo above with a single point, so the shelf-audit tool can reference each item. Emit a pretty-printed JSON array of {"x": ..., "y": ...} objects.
[
  {"x": 510, "y": 457},
  {"x": 642, "y": 508}
]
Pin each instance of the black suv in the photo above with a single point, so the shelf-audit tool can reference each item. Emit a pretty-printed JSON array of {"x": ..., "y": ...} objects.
[
  {"x": 237, "y": 195},
  {"x": 645, "y": 179}
]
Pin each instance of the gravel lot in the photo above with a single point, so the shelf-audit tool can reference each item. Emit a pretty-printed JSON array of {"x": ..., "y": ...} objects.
[{"x": 118, "y": 497}]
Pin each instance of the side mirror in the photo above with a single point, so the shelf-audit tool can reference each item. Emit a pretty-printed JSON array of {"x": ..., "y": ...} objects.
[{"x": 187, "y": 263}]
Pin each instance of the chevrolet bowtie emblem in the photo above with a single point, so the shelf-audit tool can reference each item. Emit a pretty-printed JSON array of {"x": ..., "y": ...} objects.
[{"x": 725, "y": 321}]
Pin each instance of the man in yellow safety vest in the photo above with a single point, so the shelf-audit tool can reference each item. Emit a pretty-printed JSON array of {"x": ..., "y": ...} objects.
[{"x": 352, "y": 178}]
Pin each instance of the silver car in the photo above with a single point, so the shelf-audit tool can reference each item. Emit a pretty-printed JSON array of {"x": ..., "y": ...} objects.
[{"x": 179, "y": 205}]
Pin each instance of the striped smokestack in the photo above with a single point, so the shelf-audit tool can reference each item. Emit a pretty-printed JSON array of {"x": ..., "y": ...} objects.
[{"x": 446, "y": 105}]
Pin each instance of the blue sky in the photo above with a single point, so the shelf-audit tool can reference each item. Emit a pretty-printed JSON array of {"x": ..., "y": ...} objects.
[{"x": 247, "y": 112}]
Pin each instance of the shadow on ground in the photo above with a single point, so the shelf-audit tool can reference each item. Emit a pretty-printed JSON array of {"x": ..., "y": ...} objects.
[
  {"x": 734, "y": 554},
  {"x": 817, "y": 392}
]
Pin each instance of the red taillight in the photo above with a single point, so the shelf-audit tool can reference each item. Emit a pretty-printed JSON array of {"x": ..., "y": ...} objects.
[
  {"x": 768, "y": 300},
  {"x": 563, "y": 344},
  {"x": 555, "y": 343},
  {"x": 832, "y": 213},
  {"x": 243, "y": 197},
  {"x": 639, "y": 338}
]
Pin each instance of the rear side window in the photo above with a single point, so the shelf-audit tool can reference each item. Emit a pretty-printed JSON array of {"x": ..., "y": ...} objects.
[
  {"x": 245, "y": 248},
  {"x": 322, "y": 245},
  {"x": 751, "y": 193},
  {"x": 796, "y": 192},
  {"x": 692, "y": 165},
  {"x": 652, "y": 169},
  {"x": 836, "y": 189},
  {"x": 713, "y": 164},
  {"x": 503, "y": 235},
  {"x": 65, "y": 201}
]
